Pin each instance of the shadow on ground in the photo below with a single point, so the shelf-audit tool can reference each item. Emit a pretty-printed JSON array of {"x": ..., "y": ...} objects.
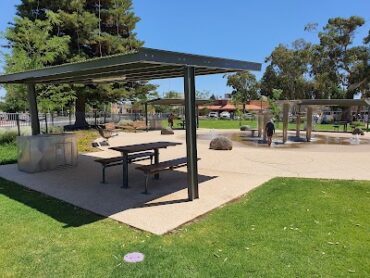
[
  {"x": 61, "y": 211},
  {"x": 63, "y": 190}
]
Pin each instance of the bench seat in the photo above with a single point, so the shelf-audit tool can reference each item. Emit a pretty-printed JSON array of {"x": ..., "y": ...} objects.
[
  {"x": 118, "y": 160},
  {"x": 168, "y": 165}
]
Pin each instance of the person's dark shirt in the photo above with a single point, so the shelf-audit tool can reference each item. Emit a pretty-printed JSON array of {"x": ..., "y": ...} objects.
[{"x": 270, "y": 127}]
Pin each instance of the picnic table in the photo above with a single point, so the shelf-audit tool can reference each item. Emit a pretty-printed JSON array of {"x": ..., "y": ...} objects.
[{"x": 137, "y": 148}]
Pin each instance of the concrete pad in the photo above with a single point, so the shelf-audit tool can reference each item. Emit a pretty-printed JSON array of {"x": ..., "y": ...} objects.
[{"x": 224, "y": 176}]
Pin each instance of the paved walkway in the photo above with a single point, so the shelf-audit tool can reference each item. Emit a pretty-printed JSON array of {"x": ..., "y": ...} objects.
[{"x": 224, "y": 176}]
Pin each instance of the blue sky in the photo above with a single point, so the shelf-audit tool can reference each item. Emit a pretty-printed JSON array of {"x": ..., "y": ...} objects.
[{"x": 246, "y": 30}]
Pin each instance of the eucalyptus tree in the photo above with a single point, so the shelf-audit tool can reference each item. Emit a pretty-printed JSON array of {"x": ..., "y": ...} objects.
[
  {"x": 245, "y": 87},
  {"x": 335, "y": 60},
  {"x": 287, "y": 70}
]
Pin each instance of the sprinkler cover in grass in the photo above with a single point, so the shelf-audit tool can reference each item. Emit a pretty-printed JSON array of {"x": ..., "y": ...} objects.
[{"x": 134, "y": 257}]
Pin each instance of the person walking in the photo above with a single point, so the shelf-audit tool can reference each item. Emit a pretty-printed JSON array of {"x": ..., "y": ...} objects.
[
  {"x": 270, "y": 130},
  {"x": 170, "y": 119}
]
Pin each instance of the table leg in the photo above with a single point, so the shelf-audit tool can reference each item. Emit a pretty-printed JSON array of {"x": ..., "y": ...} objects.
[
  {"x": 125, "y": 171},
  {"x": 156, "y": 161}
]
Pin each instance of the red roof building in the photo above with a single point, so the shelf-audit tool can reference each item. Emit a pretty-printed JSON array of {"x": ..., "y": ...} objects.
[{"x": 221, "y": 105}]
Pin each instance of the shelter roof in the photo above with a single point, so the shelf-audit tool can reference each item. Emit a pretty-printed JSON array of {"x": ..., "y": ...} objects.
[{"x": 141, "y": 65}]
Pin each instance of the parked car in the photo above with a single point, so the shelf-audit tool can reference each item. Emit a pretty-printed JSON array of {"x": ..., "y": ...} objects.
[
  {"x": 225, "y": 115},
  {"x": 213, "y": 115},
  {"x": 248, "y": 116}
]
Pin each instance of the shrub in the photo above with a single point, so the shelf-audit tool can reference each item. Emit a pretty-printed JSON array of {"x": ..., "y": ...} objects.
[
  {"x": 55, "y": 130},
  {"x": 8, "y": 137}
]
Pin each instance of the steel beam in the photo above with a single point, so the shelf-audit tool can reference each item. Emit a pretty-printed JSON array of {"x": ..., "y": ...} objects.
[
  {"x": 31, "y": 96},
  {"x": 191, "y": 133},
  {"x": 141, "y": 56}
]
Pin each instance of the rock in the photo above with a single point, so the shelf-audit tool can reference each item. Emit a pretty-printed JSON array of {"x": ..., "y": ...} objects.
[
  {"x": 126, "y": 123},
  {"x": 221, "y": 143},
  {"x": 245, "y": 128},
  {"x": 358, "y": 131},
  {"x": 167, "y": 131}
]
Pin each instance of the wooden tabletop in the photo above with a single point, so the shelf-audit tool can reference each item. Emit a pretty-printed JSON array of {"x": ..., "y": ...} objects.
[{"x": 144, "y": 147}]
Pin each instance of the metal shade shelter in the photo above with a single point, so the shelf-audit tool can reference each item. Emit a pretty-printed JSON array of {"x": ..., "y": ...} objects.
[{"x": 141, "y": 65}]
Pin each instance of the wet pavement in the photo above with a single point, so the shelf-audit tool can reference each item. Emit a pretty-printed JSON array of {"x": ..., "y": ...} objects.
[{"x": 245, "y": 138}]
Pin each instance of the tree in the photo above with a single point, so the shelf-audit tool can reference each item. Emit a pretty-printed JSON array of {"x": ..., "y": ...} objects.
[
  {"x": 32, "y": 46},
  {"x": 274, "y": 107},
  {"x": 334, "y": 60},
  {"x": 202, "y": 94},
  {"x": 173, "y": 94},
  {"x": 287, "y": 71},
  {"x": 360, "y": 76},
  {"x": 244, "y": 86},
  {"x": 95, "y": 28}
]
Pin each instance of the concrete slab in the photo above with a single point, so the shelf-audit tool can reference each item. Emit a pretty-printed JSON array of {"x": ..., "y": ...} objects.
[{"x": 224, "y": 176}]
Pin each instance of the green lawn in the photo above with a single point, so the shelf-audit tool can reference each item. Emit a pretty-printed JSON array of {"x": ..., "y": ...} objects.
[
  {"x": 8, "y": 153},
  {"x": 285, "y": 228}
]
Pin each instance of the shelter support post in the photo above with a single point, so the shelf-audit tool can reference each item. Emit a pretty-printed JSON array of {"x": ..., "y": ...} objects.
[
  {"x": 191, "y": 133},
  {"x": 197, "y": 116},
  {"x": 31, "y": 96},
  {"x": 146, "y": 117},
  {"x": 286, "y": 107},
  {"x": 298, "y": 122},
  {"x": 309, "y": 124},
  {"x": 368, "y": 115},
  {"x": 260, "y": 124},
  {"x": 266, "y": 118}
]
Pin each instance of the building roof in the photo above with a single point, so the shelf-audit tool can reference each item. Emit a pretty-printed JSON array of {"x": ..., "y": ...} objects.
[
  {"x": 227, "y": 105},
  {"x": 141, "y": 65}
]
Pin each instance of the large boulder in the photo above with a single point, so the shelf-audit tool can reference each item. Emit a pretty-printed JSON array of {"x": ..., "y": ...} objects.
[
  {"x": 167, "y": 131},
  {"x": 221, "y": 143}
]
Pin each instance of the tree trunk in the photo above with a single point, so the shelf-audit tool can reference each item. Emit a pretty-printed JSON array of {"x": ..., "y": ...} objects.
[{"x": 80, "y": 111}]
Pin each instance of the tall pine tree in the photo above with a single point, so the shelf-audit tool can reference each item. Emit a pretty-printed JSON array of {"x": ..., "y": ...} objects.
[{"x": 95, "y": 28}]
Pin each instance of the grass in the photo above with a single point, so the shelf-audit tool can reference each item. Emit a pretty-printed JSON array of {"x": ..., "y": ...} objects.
[
  {"x": 8, "y": 153},
  {"x": 285, "y": 228},
  {"x": 84, "y": 140}
]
